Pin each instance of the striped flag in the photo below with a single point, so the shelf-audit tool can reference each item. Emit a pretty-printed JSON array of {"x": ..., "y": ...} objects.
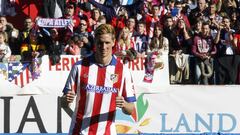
[
  {"x": 19, "y": 74},
  {"x": 70, "y": 26}
]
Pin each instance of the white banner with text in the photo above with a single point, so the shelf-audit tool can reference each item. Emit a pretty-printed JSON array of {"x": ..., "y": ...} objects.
[{"x": 32, "y": 104}]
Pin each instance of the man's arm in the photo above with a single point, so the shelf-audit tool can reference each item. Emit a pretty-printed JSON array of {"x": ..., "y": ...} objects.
[
  {"x": 70, "y": 87},
  {"x": 126, "y": 96},
  {"x": 67, "y": 98},
  {"x": 135, "y": 8},
  {"x": 217, "y": 38},
  {"x": 108, "y": 11}
]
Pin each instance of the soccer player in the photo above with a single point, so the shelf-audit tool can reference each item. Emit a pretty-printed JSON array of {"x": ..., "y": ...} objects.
[{"x": 101, "y": 83}]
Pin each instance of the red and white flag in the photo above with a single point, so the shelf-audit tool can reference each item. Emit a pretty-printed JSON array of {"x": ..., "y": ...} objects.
[{"x": 19, "y": 74}]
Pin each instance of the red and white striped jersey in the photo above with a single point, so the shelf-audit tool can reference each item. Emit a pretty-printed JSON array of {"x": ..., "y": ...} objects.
[
  {"x": 96, "y": 87},
  {"x": 150, "y": 24}
]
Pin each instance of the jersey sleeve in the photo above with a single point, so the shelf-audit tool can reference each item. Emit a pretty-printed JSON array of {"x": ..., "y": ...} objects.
[
  {"x": 71, "y": 83},
  {"x": 128, "y": 91}
]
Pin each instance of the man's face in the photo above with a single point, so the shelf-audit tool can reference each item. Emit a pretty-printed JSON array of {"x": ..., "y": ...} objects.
[
  {"x": 83, "y": 25},
  {"x": 131, "y": 23},
  {"x": 171, "y": 4},
  {"x": 169, "y": 22},
  {"x": 96, "y": 14},
  {"x": 205, "y": 30},
  {"x": 155, "y": 10},
  {"x": 212, "y": 9},
  {"x": 70, "y": 10},
  {"x": 28, "y": 24},
  {"x": 122, "y": 11},
  {"x": 104, "y": 45},
  {"x": 141, "y": 28},
  {"x": 226, "y": 22},
  {"x": 202, "y": 4},
  {"x": 199, "y": 25},
  {"x": 179, "y": 7},
  {"x": 3, "y": 20}
]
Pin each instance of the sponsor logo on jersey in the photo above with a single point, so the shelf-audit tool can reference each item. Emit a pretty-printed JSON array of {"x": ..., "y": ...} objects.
[{"x": 100, "y": 89}]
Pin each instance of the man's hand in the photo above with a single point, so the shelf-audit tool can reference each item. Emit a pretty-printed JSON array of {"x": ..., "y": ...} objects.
[
  {"x": 68, "y": 98},
  {"x": 120, "y": 102},
  {"x": 126, "y": 107}
]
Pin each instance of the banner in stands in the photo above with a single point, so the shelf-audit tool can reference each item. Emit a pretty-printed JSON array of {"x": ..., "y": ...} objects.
[
  {"x": 53, "y": 23},
  {"x": 33, "y": 105},
  {"x": 16, "y": 78}
]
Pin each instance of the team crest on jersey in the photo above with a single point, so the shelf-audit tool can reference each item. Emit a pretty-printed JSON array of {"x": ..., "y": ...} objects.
[{"x": 114, "y": 78}]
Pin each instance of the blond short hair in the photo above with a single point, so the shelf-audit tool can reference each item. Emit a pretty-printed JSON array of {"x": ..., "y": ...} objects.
[{"x": 105, "y": 29}]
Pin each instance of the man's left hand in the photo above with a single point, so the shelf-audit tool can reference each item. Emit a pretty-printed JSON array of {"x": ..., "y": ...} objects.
[{"x": 120, "y": 102}]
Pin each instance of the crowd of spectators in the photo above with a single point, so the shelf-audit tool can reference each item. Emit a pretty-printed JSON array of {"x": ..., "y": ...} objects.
[{"x": 201, "y": 37}]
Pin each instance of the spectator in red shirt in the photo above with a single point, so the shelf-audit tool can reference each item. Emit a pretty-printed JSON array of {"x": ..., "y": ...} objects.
[{"x": 67, "y": 32}]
